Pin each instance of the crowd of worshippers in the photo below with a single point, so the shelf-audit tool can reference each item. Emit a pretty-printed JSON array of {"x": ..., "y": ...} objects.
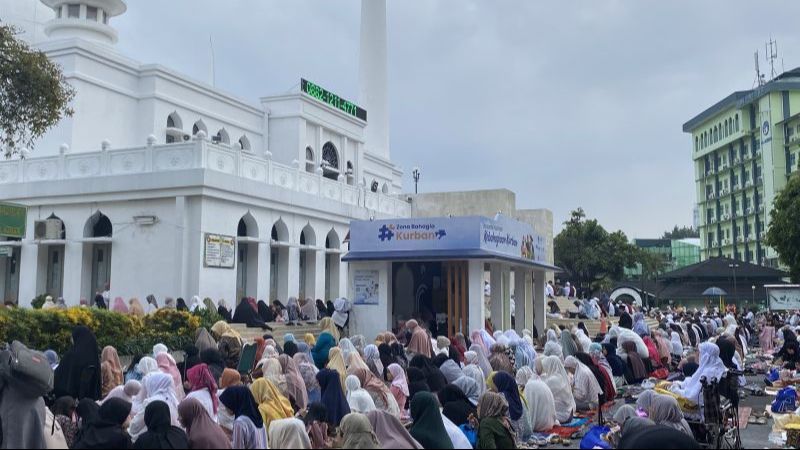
[
  {"x": 401, "y": 389},
  {"x": 256, "y": 314}
]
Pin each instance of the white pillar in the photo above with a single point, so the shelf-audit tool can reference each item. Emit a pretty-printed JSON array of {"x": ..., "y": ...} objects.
[
  {"x": 539, "y": 301},
  {"x": 496, "y": 280},
  {"x": 344, "y": 278},
  {"x": 28, "y": 273},
  {"x": 319, "y": 276},
  {"x": 520, "y": 297},
  {"x": 374, "y": 76},
  {"x": 529, "y": 299},
  {"x": 475, "y": 289},
  {"x": 78, "y": 274},
  {"x": 263, "y": 278},
  {"x": 291, "y": 288},
  {"x": 506, "y": 297}
]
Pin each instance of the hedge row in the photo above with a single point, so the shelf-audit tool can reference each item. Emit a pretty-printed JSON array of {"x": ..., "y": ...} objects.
[{"x": 130, "y": 335}]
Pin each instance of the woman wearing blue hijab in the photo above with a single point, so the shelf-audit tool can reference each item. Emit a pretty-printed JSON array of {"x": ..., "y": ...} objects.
[{"x": 324, "y": 344}]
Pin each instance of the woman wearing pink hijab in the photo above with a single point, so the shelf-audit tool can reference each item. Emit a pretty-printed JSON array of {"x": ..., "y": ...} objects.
[
  {"x": 166, "y": 363},
  {"x": 119, "y": 306},
  {"x": 420, "y": 343}
]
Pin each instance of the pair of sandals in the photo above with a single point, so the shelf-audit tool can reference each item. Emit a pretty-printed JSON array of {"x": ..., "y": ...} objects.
[{"x": 757, "y": 419}]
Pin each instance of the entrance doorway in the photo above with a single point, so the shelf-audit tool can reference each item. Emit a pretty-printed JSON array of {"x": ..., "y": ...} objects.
[
  {"x": 241, "y": 272},
  {"x": 420, "y": 291},
  {"x": 55, "y": 271},
  {"x": 101, "y": 267},
  {"x": 273, "y": 274},
  {"x": 456, "y": 276},
  {"x": 11, "y": 277}
]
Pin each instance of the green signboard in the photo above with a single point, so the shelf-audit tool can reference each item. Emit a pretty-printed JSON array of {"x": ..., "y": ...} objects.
[
  {"x": 332, "y": 99},
  {"x": 12, "y": 220}
]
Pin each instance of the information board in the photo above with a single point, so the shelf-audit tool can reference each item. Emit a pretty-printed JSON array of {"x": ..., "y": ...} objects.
[
  {"x": 367, "y": 287},
  {"x": 12, "y": 220},
  {"x": 219, "y": 251},
  {"x": 332, "y": 99}
]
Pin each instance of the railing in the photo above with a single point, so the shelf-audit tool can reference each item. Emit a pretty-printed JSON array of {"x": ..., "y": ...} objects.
[{"x": 197, "y": 154}]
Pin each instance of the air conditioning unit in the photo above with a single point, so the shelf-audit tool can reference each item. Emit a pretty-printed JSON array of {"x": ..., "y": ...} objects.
[
  {"x": 726, "y": 242},
  {"x": 713, "y": 220},
  {"x": 750, "y": 210},
  {"x": 748, "y": 183},
  {"x": 747, "y": 239},
  {"x": 760, "y": 180},
  {"x": 740, "y": 238},
  {"x": 723, "y": 192},
  {"x": 746, "y": 156},
  {"x": 762, "y": 235},
  {"x": 761, "y": 208},
  {"x": 726, "y": 217},
  {"x": 735, "y": 187},
  {"x": 735, "y": 160},
  {"x": 49, "y": 229},
  {"x": 711, "y": 196}
]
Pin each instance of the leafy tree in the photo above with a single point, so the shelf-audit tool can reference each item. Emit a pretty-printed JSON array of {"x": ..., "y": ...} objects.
[
  {"x": 681, "y": 233},
  {"x": 784, "y": 230},
  {"x": 591, "y": 255},
  {"x": 34, "y": 95}
]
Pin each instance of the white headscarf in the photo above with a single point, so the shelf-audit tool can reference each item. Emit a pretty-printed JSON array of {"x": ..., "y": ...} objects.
[
  {"x": 156, "y": 387},
  {"x": 677, "y": 345},
  {"x": 541, "y": 411},
  {"x": 711, "y": 367},
  {"x": 475, "y": 372},
  {"x": 586, "y": 389},
  {"x": 482, "y": 360},
  {"x": 583, "y": 340},
  {"x": 557, "y": 380},
  {"x": 358, "y": 398},
  {"x": 347, "y": 348},
  {"x": 553, "y": 349},
  {"x": 288, "y": 433},
  {"x": 159, "y": 348},
  {"x": 624, "y": 335},
  {"x": 196, "y": 303}
]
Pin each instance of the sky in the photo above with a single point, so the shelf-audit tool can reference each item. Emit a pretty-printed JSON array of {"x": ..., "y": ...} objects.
[{"x": 567, "y": 103}]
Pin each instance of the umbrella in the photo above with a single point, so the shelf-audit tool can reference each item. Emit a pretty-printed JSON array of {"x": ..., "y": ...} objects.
[{"x": 714, "y": 292}]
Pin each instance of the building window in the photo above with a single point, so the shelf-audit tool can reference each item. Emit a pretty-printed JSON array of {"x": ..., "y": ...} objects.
[
  {"x": 696, "y": 146},
  {"x": 736, "y": 122},
  {"x": 244, "y": 143},
  {"x": 330, "y": 161},
  {"x": 91, "y": 13},
  {"x": 351, "y": 175},
  {"x": 198, "y": 127},
  {"x": 73, "y": 11},
  {"x": 222, "y": 137},
  {"x": 310, "y": 159}
]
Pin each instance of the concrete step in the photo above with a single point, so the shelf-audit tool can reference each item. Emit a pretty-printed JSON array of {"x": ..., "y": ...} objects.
[{"x": 279, "y": 330}]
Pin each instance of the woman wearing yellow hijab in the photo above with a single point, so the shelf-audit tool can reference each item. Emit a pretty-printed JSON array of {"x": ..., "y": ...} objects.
[
  {"x": 326, "y": 324},
  {"x": 336, "y": 362},
  {"x": 271, "y": 403},
  {"x": 310, "y": 340}
]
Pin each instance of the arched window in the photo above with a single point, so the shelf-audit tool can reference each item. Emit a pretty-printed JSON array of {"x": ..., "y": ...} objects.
[
  {"x": 307, "y": 236},
  {"x": 696, "y": 146},
  {"x": 248, "y": 227},
  {"x": 330, "y": 155},
  {"x": 63, "y": 233},
  {"x": 374, "y": 186},
  {"x": 174, "y": 128},
  {"x": 726, "y": 127},
  {"x": 222, "y": 137},
  {"x": 330, "y": 161},
  {"x": 244, "y": 143},
  {"x": 280, "y": 232},
  {"x": 198, "y": 127},
  {"x": 716, "y": 133},
  {"x": 737, "y": 122},
  {"x": 310, "y": 160},
  {"x": 174, "y": 121},
  {"x": 98, "y": 225},
  {"x": 385, "y": 189}
]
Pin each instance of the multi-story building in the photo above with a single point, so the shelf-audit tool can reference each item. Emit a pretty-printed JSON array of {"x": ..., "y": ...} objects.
[
  {"x": 676, "y": 253},
  {"x": 745, "y": 147}
]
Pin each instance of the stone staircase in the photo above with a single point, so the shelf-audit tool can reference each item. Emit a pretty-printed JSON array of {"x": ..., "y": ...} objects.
[
  {"x": 593, "y": 326},
  {"x": 279, "y": 330}
]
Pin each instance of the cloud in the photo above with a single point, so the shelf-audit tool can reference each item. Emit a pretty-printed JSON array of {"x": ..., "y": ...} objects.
[{"x": 567, "y": 103}]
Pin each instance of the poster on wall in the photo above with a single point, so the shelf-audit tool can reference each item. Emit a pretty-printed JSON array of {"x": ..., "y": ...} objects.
[
  {"x": 782, "y": 299},
  {"x": 219, "y": 251},
  {"x": 367, "y": 287}
]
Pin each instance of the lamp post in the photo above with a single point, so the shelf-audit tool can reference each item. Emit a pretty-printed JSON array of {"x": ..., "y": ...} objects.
[
  {"x": 415, "y": 173},
  {"x": 754, "y": 294},
  {"x": 733, "y": 267}
]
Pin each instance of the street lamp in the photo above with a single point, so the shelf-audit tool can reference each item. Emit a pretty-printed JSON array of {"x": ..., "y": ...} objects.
[
  {"x": 754, "y": 294},
  {"x": 733, "y": 267},
  {"x": 415, "y": 173}
]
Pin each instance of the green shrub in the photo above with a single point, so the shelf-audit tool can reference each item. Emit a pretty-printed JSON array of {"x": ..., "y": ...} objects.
[{"x": 52, "y": 329}]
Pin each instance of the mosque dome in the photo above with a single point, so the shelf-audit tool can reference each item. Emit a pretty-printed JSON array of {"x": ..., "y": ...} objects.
[{"x": 86, "y": 19}]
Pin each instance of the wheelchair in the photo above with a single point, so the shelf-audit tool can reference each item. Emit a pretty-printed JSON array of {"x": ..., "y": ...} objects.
[{"x": 718, "y": 427}]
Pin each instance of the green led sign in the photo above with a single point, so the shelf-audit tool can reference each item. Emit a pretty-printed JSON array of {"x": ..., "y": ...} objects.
[
  {"x": 12, "y": 220},
  {"x": 332, "y": 99}
]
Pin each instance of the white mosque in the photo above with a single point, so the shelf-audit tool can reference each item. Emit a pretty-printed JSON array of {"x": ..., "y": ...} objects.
[{"x": 163, "y": 184}]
